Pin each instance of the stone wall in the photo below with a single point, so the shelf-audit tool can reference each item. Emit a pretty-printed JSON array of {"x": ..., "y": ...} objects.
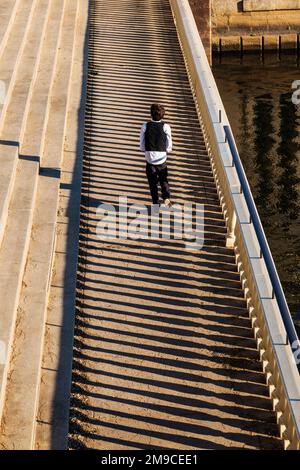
[
  {"x": 221, "y": 7},
  {"x": 267, "y": 5},
  {"x": 202, "y": 14},
  {"x": 234, "y": 28},
  {"x": 224, "y": 25}
]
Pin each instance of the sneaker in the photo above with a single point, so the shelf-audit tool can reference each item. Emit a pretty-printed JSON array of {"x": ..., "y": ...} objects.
[
  {"x": 155, "y": 209},
  {"x": 167, "y": 203}
]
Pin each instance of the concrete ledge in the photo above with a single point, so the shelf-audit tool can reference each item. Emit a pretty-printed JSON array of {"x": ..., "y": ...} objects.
[
  {"x": 271, "y": 42},
  {"x": 288, "y": 41},
  {"x": 251, "y": 43},
  {"x": 270, "y": 5},
  {"x": 230, "y": 44},
  {"x": 260, "y": 22}
]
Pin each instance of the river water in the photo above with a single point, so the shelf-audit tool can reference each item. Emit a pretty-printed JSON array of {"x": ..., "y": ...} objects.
[{"x": 257, "y": 93}]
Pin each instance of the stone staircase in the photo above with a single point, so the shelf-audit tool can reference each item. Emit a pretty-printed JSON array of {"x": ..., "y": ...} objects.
[{"x": 37, "y": 50}]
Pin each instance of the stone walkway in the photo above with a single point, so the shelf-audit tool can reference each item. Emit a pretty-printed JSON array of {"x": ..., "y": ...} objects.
[{"x": 164, "y": 353}]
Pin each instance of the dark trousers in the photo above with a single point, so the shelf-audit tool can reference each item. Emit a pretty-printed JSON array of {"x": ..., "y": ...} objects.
[{"x": 157, "y": 173}]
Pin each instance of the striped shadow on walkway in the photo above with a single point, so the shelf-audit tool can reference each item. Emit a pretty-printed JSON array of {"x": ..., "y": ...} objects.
[{"x": 164, "y": 354}]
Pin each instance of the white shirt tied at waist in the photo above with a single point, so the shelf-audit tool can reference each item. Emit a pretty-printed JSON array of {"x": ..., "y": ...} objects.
[{"x": 153, "y": 157}]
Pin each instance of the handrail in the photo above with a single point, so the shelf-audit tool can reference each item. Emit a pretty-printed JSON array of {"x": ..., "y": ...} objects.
[{"x": 264, "y": 246}]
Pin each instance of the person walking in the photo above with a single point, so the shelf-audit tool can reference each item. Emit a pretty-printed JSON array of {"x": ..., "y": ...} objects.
[{"x": 156, "y": 142}]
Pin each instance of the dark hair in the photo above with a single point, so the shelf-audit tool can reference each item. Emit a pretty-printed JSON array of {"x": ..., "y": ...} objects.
[{"x": 157, "y": 111}]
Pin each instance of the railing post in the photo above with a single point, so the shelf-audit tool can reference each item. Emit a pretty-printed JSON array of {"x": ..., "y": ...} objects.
[{"x": 230, "y": 238}]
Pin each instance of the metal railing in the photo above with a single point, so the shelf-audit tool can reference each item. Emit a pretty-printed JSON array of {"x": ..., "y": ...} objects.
[{"x": 265, "y": 250}]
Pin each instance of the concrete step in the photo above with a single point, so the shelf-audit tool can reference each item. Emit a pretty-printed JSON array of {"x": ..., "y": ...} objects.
[
  {"x": 8, "y": 10},
  {"x": 52, "y": 425},
  {"x": 19, "y": 420},
  {"x": 21, "y": 119},
  {"x": 12, "y": 45},
  {"x": 15, "y": 26},
  {"x": 14, "y": 112}
]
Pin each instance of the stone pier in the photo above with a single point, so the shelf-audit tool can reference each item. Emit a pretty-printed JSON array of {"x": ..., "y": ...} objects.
[{"x": 248, "y": 25}]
